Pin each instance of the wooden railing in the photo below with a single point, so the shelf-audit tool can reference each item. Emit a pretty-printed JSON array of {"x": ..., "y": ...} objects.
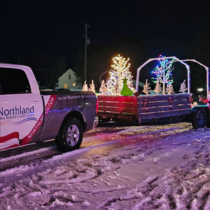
[
  {"x": 117, "y": 106},
  {"x": 144, "y": 107},
  {"x": 163, "y": 106}
]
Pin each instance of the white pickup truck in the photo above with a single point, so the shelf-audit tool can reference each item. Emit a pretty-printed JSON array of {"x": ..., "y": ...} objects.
[{"x": 28, "y": 116}]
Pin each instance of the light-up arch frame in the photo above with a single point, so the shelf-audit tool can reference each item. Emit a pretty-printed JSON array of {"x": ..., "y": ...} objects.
[
  {"x": 207, "y": 73},
  {"x": 171, "y": 57}
]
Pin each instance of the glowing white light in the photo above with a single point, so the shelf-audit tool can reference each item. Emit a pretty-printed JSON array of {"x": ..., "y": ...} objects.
[{"x": 200, "y": 89}]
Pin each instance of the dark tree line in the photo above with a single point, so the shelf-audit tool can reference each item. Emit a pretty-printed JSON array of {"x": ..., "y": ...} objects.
[{"x": 48, "y": 67}]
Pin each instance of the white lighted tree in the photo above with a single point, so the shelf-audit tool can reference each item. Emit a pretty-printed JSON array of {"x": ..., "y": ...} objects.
[
  {"x": 112, "y": 84},
  {"x": 85, "y": 87},
  {"x": 163, "y": 72},
  {"x": 92, "y": 87},
  {"x": 147, "y": 88},
  {"x": 183, "y": 87},
  {"x": 103, "y": 88},
  {"x": 119, "y": 71},
  {"x": 170, "y": 89},
  {"x": 158, "y": 88}
]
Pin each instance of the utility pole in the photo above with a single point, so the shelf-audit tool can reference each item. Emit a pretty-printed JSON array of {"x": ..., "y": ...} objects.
[{"x": 87, "y": 41}]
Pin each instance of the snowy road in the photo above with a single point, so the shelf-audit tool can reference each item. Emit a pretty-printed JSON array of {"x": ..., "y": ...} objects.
[{"x": 137, "y": 167}]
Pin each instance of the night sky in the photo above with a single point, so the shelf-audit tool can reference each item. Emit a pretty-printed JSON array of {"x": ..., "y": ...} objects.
[{"x": 49, "y": 34}]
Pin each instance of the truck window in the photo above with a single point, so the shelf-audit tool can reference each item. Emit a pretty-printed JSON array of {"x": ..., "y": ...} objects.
[{"x": 13, "y": 81}]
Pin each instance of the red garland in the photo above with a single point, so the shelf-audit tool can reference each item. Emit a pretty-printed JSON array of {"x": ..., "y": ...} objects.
[
  {"x": 190, "y": 99},
  {"x": 146, "y": 101},
  {"x": 170, "y": 100}
]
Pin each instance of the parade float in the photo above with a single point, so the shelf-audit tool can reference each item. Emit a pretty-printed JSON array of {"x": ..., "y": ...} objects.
[{"x": 119, "y": 101}]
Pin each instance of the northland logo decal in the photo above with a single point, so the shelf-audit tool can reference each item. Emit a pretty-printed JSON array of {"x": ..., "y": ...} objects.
[{"x": 16, "y": 112}]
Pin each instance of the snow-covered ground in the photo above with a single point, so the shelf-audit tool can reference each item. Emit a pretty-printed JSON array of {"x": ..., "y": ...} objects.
[{"x": 138, "y": 167}]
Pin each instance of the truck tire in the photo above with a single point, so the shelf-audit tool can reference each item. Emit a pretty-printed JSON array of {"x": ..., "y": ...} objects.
[
  {"x": 70, "y": 136},
  {"x": 199, "y": 119}
]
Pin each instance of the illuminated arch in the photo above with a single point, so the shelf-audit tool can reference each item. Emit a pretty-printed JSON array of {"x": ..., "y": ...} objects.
[
  {"x": 171, "y": 57},
  {"x": 207, "y": 73}
]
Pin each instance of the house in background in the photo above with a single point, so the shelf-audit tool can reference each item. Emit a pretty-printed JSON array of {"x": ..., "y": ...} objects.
[{"x": 68, "y": 80}]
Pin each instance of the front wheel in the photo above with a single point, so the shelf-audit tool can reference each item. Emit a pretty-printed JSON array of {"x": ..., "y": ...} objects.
[
  {"x": 199, "y": 119},
  {"x": 70, "y": 136}
]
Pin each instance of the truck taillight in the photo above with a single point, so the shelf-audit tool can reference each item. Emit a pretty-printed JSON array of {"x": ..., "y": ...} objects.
[{"x": 97, "y": 106}]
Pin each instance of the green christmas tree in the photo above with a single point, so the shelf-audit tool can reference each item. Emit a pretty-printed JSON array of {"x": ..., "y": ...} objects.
[{"x": 126, "y": 91}]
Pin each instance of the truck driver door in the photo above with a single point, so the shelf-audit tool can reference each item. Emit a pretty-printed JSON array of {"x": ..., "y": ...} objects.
[{"x": 20, "y": 109}]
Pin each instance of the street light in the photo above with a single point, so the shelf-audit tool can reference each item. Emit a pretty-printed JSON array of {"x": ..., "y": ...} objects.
[
  {"x": 200, "y": 89},
  {"x": 102, "y": 75}
]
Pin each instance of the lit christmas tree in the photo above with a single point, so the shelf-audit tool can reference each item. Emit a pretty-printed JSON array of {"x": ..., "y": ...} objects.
[
  {"x": 183, "y": 87},
  {"x": 85, "y": 87},
  {"x": 147, "y": 88},
  {"x": 112, "y": 84},
  {"x": 92, "y": 87},
  {"x": 119, "y": 71},
  {"x": 103, "y": 88},
  {"x": 163, "y": 72},
  {"x": 170, "y": 89},
  {"x": 158, "y": 88}
]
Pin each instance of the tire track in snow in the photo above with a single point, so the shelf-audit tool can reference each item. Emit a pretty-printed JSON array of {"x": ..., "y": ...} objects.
[{"x": 90, "y": 181}]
